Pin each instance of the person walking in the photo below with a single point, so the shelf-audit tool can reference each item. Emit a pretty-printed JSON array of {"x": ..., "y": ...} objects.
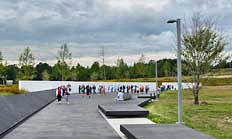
[
  {"x": 63, "y": 90},
  {"x": 59, "y": 94},
  {"x": 104, "y": 90}
]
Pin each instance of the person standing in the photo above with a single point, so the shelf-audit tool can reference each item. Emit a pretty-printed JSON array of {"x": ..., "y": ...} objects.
[
  {"x": 67, "y": 94},
  {"x": 120, "y": 94},
  {"x": 79, "y": 89},
  {"x": 83, "y": 90},
  {"x": 135, "y": 88},
  {"x": 88, "y": 91},
  {"x": 146, "y": 89},
  {"x": 94, "y": 89}
]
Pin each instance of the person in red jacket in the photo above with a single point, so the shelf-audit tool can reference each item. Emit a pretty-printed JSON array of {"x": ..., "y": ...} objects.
[{"x": 59, "y": 94}]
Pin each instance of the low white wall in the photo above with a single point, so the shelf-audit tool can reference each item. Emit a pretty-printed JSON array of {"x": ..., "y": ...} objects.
[
  {"x": 33, "y": 86},
  {"x": 186, "y": 85}
]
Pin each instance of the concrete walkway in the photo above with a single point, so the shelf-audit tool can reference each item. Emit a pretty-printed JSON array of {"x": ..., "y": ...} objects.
[{"x": 78, "y": 120}]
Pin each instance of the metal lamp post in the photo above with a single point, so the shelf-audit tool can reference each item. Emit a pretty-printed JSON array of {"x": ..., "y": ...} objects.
[
  {"x": 156, "y": 79},
  {"x": 178, "y": 26}
]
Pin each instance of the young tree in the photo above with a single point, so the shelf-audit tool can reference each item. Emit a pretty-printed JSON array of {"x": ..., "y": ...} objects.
[
  {"x": 63, "y": 54},
  {"x": 1, "y": 57},
  {"x": 60, "y": 71},
  {"x": 140, "y": 67},
  {"x": 26, "y": 58},
  {"x": 26, "y": 62},
  {"x": 122, "y": 69},
  {"x": 142, "y": 59},
  {"x": 2, "y": 73},
  {"x": 203, "y": 45},
  {"x": 63, "y": 58},
  {"x": 2, "y": 69},
  {"x": 95, "y": 71}
]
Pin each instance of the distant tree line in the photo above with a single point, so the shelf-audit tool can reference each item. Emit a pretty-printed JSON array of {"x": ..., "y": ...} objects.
[{"x": 62, "y": 70}]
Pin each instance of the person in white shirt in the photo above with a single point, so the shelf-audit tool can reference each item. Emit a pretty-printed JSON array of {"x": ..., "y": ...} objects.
[{"x": 120, "y": 94}]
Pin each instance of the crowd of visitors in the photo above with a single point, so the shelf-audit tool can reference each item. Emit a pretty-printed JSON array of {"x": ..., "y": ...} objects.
[{"x": 91, "y": 89}]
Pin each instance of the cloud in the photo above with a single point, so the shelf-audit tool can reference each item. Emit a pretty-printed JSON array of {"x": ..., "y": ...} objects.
[{"x": 123, "y": 27}]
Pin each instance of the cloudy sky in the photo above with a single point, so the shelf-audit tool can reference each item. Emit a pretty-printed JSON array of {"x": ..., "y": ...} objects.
[{"x": 125, "y": 28}]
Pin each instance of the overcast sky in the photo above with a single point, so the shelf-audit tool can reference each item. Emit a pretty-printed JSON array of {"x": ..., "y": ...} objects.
[{"x": 126, "y": 28}]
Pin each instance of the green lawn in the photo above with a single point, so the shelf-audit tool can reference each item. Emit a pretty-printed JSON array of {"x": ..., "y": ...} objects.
[
  {"x": 213, "y": 116},
  {"x": 6, "y": 94}
]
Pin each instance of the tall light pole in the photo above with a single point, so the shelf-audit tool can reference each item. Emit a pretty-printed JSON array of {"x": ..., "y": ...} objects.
[
  {"x": 156, "y": 78},
  {"x": 103, "y": 62},
  {"x": 178, "y": 26}
]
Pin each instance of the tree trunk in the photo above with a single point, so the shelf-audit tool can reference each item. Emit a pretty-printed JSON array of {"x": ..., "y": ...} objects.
[
  {"x": 196, "y": 94},
  {"x": 196, "y": 100}
]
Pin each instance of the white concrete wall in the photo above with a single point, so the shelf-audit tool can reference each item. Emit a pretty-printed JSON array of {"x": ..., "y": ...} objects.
[
  {"x": 33, "y": 86},
  {"x": 186, "y": 85}
]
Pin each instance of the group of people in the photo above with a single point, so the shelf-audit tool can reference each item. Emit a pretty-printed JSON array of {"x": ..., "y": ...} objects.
[
  {"x": 166, "y": 88},
  {"x": 63, "y": 91},
  {"x": 91, "y": 89},
  {"x": 101, "y": 89},
  {"x": 131, "y": 89}
]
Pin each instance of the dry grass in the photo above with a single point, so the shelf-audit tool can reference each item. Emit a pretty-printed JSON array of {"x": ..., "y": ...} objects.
[{"x": 10, "y": 90}]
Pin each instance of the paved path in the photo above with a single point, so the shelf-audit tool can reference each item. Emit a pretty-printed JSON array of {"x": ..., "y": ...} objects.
[{"x": 78, "y": 120}]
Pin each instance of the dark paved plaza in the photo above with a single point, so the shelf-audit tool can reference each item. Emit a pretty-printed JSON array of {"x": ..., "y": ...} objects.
[
  {"x": 81, "y": 119},
  {"x": 78, "y": 120}
]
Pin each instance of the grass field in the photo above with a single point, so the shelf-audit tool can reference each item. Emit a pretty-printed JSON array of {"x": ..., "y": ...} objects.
[{"x": 213, "y": 116}]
